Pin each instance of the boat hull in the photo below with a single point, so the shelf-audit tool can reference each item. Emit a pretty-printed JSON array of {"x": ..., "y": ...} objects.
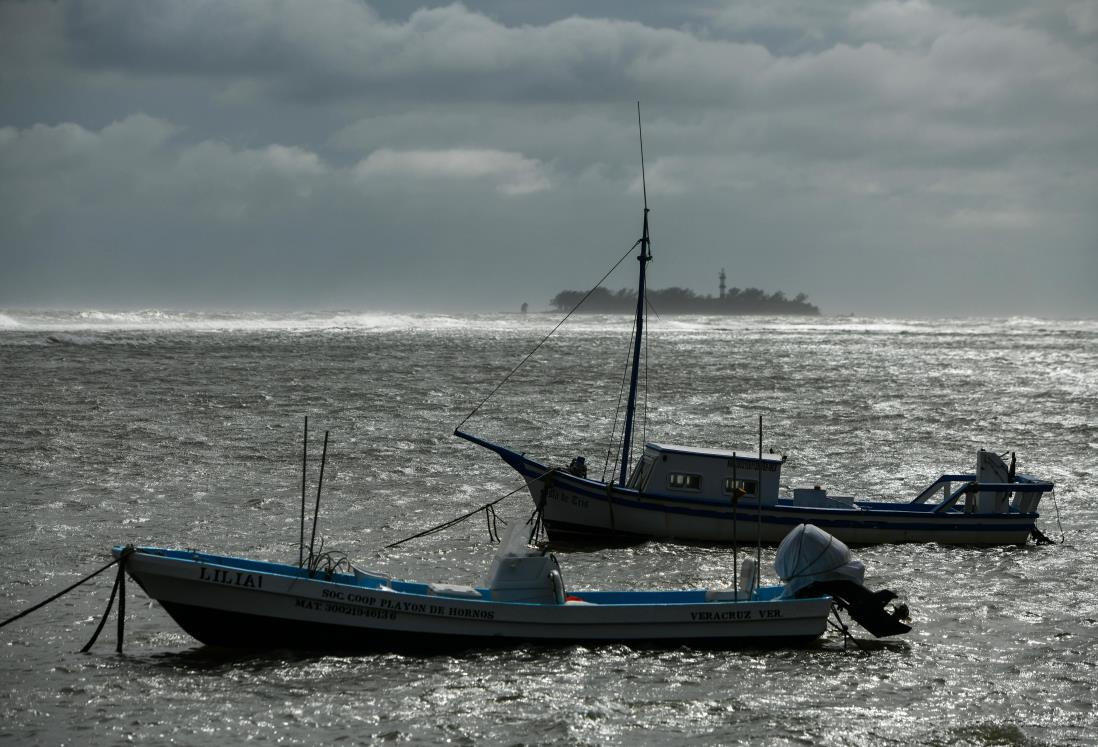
[
  {"x": 576, "y": 509},
  {"x": 234, "y": 602},
  {"x": 579, "y": 513}
]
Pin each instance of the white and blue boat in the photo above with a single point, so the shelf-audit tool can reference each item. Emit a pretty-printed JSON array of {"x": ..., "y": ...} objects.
[
  {"x": 712, "y": 495},
  {"x": 715, "y": 495},
  {"x": 241, "y": 603}
]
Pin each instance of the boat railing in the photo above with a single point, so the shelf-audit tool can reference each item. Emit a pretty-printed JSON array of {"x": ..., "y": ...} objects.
[
  {"x": 972, "y": 486},
  {"x": 945, "y": 482}
]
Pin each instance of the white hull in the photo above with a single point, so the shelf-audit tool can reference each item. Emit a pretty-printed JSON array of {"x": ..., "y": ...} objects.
[
  {"x": 228, "y": 601},
  {"x": 576, "y": 508},
  {"x": 574, "y": 511}
]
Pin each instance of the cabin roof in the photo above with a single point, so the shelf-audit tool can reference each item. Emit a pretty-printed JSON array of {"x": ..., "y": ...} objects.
[{"x": 704, "y": 452}]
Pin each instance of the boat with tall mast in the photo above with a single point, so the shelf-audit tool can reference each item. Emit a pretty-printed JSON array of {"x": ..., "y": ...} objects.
[{"x": 717, "y": 495}]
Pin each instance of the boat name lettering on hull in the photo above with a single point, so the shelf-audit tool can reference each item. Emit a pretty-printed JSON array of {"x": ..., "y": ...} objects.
[
  {"x": 571, "y": 499},
  {"x": 230, "y": 578},
  {"x": 333, "y": 597},
  {"x": 471, "y": 613},
  {"x": 351, "y": 596},
  {"x": 726, "y": 615}
]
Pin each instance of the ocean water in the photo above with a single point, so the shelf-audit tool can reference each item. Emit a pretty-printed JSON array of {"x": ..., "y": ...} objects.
[{"x": 185, "y": 430}]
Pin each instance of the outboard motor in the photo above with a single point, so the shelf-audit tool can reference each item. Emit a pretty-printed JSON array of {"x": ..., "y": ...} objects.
[
  {"x": 521, "y": 573},
  {"x": 990, "y": 467},
  {"x": 813, "y": 563}
]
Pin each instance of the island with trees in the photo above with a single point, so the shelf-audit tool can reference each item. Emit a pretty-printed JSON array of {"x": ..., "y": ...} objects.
[{"x": 686, "y": 301}]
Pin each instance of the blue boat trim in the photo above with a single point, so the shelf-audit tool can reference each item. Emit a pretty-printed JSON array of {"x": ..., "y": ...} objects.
[{"x": 640, "y": 598}]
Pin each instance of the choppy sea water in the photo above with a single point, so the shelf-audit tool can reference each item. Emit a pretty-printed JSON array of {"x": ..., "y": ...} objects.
[{"x": 185, "y": 430}]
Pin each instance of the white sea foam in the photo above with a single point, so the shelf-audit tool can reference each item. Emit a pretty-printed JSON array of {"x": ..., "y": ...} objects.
[{"x": 159, "y": 320}]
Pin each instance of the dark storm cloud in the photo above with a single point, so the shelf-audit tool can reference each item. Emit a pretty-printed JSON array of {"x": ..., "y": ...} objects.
[{"x": 166, "y": 150}]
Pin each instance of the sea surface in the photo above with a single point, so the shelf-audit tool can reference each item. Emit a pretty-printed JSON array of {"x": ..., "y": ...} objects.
[{"x": 185, "y": 430}]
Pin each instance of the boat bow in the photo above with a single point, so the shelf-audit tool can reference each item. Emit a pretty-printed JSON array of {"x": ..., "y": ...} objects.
[{"x": 519, "y": 462}]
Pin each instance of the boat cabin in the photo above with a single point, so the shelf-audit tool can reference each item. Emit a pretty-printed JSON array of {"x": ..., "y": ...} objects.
[{"x": 709, "y": 473}]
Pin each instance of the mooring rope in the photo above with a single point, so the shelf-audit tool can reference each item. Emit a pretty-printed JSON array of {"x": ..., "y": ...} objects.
[
  {"x": 454, "y": 522},
  {"x": 125, "y": 554},
  {"x": 1056, "y": 505},
  {"x": 119, "y": 586},
  {"x": 1040, "y": 537}
]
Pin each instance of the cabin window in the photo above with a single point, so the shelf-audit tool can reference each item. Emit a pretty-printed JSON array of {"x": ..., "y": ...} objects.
[
  {"x": 684, "y": 481},
  {"x": 748, "y": 486}
]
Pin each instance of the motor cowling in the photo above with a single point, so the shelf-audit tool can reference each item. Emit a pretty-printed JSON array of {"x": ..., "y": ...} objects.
[
  {"x": 813, "y": 563},
  {"x": 522, "y": 573}
]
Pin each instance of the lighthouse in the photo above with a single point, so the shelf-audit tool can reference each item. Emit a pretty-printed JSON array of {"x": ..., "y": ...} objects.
[{"x": 722, "y": 283}]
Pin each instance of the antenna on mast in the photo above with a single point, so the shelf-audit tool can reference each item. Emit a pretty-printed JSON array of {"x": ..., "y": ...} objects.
[
  {"x": 643, "y": 258},
  {"x": 640, "y": 134}
]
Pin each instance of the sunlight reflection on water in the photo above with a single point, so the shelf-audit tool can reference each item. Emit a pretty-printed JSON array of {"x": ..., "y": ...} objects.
[{"x": 186, "y": 432}]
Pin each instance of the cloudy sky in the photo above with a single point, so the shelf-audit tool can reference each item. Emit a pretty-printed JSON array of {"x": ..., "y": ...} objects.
[{"x": 893, "y": 157}]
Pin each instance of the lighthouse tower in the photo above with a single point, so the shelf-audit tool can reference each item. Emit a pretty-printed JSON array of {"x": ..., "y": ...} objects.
[{"x": 722, "y": 282}]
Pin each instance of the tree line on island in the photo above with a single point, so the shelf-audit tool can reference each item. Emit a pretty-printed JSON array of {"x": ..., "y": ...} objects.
[{"x": 686, "y": 301}]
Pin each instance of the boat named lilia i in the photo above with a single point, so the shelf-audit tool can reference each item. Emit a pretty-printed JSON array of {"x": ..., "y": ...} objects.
[
  {"x": 714, "y": 495},
  {"x": 242, "y": 603}
]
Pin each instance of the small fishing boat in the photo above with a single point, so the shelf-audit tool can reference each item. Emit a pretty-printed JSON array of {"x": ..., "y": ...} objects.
[
  {"x": 242, "y": 603},
  {"x": 710, "y": 495},
  {"x": 716, "y": 495}
]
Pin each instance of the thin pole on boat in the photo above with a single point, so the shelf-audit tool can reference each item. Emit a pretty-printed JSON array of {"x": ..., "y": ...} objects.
[
  {"x": 319, "y": 484},
  {"x": 304, "y": 462},
  {"x": 643, "y": 258},
  {"x": 735, "y": 541},
  {"x": 759, "y": 508},
  {"x": 121, "y": 607}
]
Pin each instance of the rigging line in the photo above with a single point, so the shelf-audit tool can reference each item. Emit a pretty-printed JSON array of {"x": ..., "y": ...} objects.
[
  {"x": 612, "y": 447},
  {"x": 653, "y": 309},
  {"x": 644, "y": 416},
  {"x": 625, "y": 373},
  {"x": 463, "y": 517},
  {"x": 544, "y": 339}
]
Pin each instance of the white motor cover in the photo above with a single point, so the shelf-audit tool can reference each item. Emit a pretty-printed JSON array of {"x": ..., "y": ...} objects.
[
  {"x": 521, "y": 573},
  {"x": 990, "y": 467},
  {"x": 809, "y": 554}
]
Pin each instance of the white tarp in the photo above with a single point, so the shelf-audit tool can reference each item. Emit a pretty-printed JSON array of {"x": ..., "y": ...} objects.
[{"x": 809, "y": 554}]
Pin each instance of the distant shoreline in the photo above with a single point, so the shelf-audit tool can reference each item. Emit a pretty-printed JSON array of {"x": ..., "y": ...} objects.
[{"x": 685, "y": 301}]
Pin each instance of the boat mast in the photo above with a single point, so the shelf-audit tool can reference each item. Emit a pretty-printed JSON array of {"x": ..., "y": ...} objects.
[{"x": 643, "y": 258}]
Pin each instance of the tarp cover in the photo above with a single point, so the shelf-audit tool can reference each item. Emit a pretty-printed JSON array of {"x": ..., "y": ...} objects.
[{"x": 809, "y": 554}]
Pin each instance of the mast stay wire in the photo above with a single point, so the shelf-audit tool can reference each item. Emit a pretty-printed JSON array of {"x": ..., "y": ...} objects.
[
  {"x": 546, "y": 338},
  {"x": 612, "y": 445}
]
